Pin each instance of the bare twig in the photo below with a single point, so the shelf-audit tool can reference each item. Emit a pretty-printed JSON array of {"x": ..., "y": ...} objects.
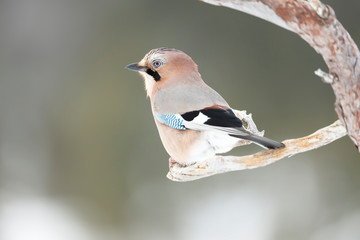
[
  {"x": 222, "y": 164},
  {"x": 325, "y": 77}
]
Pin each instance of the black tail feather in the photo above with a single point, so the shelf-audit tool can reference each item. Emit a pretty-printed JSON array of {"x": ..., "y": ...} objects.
[{"x": 266, "y": 142}]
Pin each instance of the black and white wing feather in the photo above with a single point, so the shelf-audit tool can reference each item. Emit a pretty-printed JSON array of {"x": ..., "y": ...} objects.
[{"x": 215, "y": 119}]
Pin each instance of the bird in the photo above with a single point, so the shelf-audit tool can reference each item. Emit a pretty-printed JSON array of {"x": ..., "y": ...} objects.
[{"x": 194, "y": 121}]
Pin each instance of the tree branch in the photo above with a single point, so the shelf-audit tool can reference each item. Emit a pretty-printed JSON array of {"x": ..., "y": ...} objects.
[
  {"x": 222, "y": 164},
  {"x": 316, "y": 23}
]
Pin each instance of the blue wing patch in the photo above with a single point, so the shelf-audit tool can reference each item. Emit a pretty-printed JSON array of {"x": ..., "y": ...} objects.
[{"x": 172, "y": 120}]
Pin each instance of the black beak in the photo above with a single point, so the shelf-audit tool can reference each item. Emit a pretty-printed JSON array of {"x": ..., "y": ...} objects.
[{"x": 136, "y": 67}]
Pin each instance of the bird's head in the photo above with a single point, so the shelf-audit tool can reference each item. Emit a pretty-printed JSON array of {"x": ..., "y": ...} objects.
[{"x": 165, "y": 67}]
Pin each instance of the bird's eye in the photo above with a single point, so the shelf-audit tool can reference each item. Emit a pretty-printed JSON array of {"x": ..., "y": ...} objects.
[{"x": 157, "y": 63}]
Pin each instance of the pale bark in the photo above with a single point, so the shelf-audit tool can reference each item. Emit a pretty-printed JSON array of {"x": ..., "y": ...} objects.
[
  {"x": 316, "y": 23},
  {"x": 222, "y": 164}
]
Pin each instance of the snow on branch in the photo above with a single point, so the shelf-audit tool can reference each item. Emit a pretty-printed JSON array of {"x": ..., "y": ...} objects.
[{"x": 317, "y": 24}]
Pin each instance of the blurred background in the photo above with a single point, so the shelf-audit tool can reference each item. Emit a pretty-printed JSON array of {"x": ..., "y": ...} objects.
[{"x": 80, "y": 154}]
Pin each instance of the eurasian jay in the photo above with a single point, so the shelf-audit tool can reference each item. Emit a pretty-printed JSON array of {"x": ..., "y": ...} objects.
[{"x": 193, "y": 120}]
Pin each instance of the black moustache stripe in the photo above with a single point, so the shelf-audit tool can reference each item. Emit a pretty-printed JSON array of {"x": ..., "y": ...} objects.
[{"x": 154, "y": 74}]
